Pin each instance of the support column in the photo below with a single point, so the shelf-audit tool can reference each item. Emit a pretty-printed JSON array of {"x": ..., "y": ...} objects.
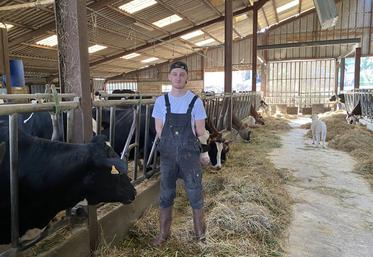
[
  {"x": 357, "y": 68},
  {"x": 336, "y": 77},
  {"x": 342, "y": 82},
  {"x": 71, "y": 26},
  {"x": 228, "y": 57},
  {"x": 5, "y": 65},
  {"x": 254, "y": 49}
]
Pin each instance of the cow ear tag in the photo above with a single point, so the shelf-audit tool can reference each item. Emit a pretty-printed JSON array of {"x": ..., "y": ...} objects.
[{"x": 114, "y": 170}]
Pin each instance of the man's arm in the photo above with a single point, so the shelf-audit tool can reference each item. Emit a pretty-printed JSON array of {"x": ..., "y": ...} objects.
[
  {"x": 158, "y": 127},
  {"x": 200, "y": 127}
]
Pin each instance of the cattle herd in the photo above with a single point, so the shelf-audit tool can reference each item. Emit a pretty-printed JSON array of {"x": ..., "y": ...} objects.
[{"x": 54, "y": 175}]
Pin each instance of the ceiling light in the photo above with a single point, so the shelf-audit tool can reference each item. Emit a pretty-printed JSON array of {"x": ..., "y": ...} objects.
[
  {"x": 287, "y": 6},
  {"x": 6, "y": 26},
  {"x": 49, "y": 41},
  {"x": 205, "y": 42},
  {"x": 151, "y": 59},
  {"x": 137, "y": 5},
  {"x": 95, "y": 48},
  {"x": 192, "y": 34},
  {"x": 141, "y": 25},
  {"x": 167, "y": 21},
  {"x": 130, "y": 56}
]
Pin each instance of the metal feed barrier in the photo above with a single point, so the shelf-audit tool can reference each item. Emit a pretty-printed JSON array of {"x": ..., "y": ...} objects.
[
  {"x": 216, "y": 107},
  {"x": 365, "y": 97}
]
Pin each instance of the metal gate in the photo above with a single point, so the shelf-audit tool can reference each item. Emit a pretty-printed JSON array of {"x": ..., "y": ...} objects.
[{"x": 300, "y": 83}]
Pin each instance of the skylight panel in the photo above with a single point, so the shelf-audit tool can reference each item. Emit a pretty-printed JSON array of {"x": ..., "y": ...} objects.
[
  {"x": 167, "y": 21},
  {"x": 205, "y": 42},
  {"x": 137, "y": 5},
  {"x": 287, "y": 6},
  {"x": 6, "y": 26},
  {"x": 151, "y": 59},
  {"x": 48, "y": 41},
  {"x": 130, "y": 56},
  {"x": 95, "y": 48},
  {"x": 192, "y": 34}
]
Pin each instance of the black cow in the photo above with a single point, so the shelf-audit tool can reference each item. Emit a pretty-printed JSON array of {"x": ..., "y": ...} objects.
[
  {"x": 341, "y": 98},
  {"x": 123, "y": 122},
  {"x": 54, "y": 176},
  {"x": 37, "y": 124}
]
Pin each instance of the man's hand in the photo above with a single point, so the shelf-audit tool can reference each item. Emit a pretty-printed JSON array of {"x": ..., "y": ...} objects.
[{"x": 204, "y": 159}]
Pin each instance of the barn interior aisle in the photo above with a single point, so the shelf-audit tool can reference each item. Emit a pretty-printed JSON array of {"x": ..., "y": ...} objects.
[{"x": 332, "y": 213}]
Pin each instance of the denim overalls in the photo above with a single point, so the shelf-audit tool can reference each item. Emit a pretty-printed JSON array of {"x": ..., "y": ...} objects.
[{"x": 179, "y": 152}]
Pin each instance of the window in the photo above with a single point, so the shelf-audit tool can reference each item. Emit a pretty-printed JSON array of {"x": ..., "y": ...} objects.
[{"x": 132, "y": 85}]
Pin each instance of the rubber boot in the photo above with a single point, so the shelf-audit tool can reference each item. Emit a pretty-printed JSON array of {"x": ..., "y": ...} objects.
[
  {"x": 165, "y": 219},
  {"x": 199, "y": 224}
]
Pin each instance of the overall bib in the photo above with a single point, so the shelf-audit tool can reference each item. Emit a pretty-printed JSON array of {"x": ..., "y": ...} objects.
[{"x": 179, "y": 152}]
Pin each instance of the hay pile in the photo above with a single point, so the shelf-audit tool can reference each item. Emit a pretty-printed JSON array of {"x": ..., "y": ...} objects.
[
  {"x": 356, "y": 140},
  {"x": 247, "y": 208}
]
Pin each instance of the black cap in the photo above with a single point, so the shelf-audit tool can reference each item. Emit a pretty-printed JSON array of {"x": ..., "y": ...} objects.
[{"x": 180, "y": 65}]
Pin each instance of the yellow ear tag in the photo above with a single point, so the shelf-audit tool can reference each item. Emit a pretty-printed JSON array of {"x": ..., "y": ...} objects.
[{"x": 114, "y": 170}]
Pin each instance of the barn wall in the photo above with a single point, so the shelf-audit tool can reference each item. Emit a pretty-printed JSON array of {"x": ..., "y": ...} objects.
[{"x": 354, "y": 21}]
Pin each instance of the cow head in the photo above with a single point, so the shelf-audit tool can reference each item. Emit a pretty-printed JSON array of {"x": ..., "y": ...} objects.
[
  {"x": 257, "y": 116},
  {"x": 219, "y": 148},
  {"x": 108, "y": 180}
]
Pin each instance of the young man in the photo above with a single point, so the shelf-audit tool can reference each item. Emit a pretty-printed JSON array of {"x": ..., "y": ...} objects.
[{"x": 179, "y": 120}]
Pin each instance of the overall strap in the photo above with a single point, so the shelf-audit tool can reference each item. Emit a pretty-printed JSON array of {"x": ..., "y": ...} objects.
[
  {"x": 167, "y": 101},
  {"x": 191, "y": 105}
]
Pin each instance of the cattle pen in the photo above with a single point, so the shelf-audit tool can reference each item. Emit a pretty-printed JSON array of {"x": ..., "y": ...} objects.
[{"x": 281, "y": 109}]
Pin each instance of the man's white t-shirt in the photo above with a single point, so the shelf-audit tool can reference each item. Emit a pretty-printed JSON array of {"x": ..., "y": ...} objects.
[{"x": 179, "y": 104}]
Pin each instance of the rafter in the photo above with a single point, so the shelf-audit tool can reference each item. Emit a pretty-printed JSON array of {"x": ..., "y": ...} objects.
[
  {"x": 265, "y": 17},
  {"x": 51, "y": 25},
  {"x": 137, "y": 19},
  {"x": 300, "y": 7},
  {"x": 167, "y": 38},
  {"x": 275, "y": 10},
  {"x": 211, "y": 6},
  {"x": 176, "y": 12}
]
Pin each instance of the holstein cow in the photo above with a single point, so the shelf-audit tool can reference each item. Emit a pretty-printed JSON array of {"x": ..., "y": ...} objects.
[
  {"x": 218, "y": 147},
  {"x": 353, "y": 116},
  {"x": 123, "y": 120},
  {"x": 54, "y": 176},
  {"x": 257, "y": 116},
  {"x": 242, "y": 129}
]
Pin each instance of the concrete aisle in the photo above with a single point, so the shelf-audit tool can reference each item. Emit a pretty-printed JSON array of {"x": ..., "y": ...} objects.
[{"x": 333, "y": 209}]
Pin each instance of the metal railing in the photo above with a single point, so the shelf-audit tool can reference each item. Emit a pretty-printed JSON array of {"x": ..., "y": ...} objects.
[
  {"x": 217, "y": 106},
  {"x": 365, "y": 97},
  {"x": 12, "y": 110},
  {"x": 302, "y": 100}
]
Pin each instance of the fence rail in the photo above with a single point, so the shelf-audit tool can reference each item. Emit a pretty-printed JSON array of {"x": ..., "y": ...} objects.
[
  {"x": 365, "y": 97},
  {"x": 216, "y": 108}
]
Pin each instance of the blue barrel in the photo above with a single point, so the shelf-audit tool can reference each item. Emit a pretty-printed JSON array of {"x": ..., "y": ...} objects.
[{"x": 17, "y": 74}]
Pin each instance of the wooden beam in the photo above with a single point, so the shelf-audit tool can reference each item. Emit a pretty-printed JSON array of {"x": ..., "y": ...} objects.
[
  {"x": 228, "y": 45},
  {"x": 254, "y": 49},
  {"x": 357, "y": 68},
  {"x": 343, "y": 67},
  {"x": 5, "y": 65},
  {"x": 312, "y": 43}
]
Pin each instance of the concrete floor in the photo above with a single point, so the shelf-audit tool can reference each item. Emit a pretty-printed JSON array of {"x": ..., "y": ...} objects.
[{"x": 333, "y": 209}]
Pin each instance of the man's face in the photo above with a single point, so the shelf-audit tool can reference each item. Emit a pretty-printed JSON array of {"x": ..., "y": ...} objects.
[{"x": 178, "y": 78}]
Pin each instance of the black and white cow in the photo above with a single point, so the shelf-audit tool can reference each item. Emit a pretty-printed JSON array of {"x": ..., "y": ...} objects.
[{"x": 54, "y": 176}]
